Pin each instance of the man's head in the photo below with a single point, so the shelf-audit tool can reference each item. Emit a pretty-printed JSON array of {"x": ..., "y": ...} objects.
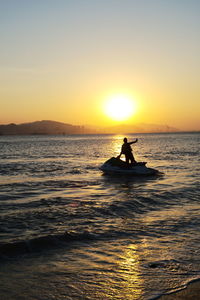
[{"x": 125, "y": 140}]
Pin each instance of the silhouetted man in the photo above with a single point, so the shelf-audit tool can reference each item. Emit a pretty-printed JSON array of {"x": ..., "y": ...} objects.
[{"x": 127, "y": 151}]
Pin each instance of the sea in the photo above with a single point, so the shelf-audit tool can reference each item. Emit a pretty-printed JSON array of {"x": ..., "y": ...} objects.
[{"x": 68, "y": 231}]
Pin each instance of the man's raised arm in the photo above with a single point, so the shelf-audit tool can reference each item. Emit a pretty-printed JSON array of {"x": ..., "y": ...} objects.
[{"x": 133, "y": 142}]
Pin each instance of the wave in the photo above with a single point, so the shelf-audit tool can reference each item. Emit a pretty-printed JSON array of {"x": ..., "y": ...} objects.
[
  {"x": 43, "y": 184},
  {"x": 52, "y": 241},
  {"x": 175, "y": 292},
  {"x": 43, "y": 243}
]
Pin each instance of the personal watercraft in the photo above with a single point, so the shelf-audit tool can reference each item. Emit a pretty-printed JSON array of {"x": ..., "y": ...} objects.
[{"x": 117, "y": 166}]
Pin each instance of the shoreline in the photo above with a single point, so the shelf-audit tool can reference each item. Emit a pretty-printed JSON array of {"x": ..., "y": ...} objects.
[
  {"x": 191, "y": 292},
  {"x": 96, "y": 133}
]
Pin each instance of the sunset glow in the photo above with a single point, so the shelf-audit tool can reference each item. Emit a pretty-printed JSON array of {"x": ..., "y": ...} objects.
[
  {"x": 120, "y": 108},
  {"x": 60, "y": 60}
]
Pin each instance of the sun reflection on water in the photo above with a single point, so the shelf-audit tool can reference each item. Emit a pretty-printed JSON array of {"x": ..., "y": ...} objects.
[
  {"x": 124, "y": 281},
  {"x": 117, "y": 143},
  {"x": 129, "y": 268}
]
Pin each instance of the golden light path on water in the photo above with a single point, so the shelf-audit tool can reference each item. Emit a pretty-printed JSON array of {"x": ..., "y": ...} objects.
[
  {"x": 130, "y": 273},
  {"x": 125, "y": 282},
  {"x": 116, "y": 270}
]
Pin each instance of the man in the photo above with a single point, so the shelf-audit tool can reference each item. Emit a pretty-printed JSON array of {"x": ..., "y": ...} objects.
[{"x": 127, "y": 151}]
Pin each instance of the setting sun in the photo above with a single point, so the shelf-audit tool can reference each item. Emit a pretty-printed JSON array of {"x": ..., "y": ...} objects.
[{"x": 120, "y": 107}]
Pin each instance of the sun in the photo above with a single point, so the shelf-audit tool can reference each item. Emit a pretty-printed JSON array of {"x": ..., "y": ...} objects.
[{"x": 119, "y": 108}]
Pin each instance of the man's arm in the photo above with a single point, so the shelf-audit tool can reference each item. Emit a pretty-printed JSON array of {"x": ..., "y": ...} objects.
[
  {"x": 120, "y": 153},
  {"x": 133, "y": 142}
]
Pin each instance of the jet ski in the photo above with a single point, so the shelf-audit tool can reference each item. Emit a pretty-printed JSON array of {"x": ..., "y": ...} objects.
[{"x": 117, "y": 166}]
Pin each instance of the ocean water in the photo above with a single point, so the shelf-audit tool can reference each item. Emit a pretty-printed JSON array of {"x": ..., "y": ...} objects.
[{"x": 69, "y": 232}]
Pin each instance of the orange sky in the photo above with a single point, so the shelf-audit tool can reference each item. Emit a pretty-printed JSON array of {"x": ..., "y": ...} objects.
[{"x": 61, "y": 61}]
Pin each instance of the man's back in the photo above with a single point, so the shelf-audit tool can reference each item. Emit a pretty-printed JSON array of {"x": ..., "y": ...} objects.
[{"x": 126, "y": 148}]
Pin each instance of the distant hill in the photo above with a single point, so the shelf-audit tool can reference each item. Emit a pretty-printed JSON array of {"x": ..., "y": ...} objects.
[
  {"x": 53, "y": 127},
  {"x": 41, "y": 127}
]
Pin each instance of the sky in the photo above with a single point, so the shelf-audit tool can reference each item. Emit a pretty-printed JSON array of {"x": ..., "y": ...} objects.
[{"x": 62, "y": 60}]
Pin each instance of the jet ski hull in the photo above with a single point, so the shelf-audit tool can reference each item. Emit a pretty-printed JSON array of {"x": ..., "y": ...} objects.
[{"x": 118, "y": 166}]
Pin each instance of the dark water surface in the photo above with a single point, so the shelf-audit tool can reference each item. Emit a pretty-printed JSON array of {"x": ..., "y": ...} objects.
[{"x": 70, "y": 232}]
